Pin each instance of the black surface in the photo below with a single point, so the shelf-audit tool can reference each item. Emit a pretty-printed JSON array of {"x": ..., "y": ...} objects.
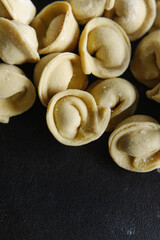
[{"x": 51, "y": 191}]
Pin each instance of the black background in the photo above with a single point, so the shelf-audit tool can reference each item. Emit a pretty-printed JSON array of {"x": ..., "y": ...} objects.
[{"x": 51, "y": 191}]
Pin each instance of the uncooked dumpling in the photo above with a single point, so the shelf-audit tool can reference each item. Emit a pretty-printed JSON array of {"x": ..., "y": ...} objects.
[
  {"x": 57, "y": 72},
  {"x": 135, "y": 16},
  {"x": 119, "y": 95},
  {"x": 17, "y": 93},
  {"x": 56, "y": 28},
  {"x": 154, "y": 94},
  {"x": 74, "y": 118},
  {"x": 135, "y": 144},
  {"x": 104, "y": 48},
  {"x": 18, "y": 42}
]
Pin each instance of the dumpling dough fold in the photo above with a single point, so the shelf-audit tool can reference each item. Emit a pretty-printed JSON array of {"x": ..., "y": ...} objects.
[
  {"x": 119, "y": 95},
  {"x": 56, "y": 28},
  {"x": 154, "y": 93},
  {"x": 156, "y": 24},
  {"x": 104, "y": 48},
  {"x": 74, "y": 118},
  {"x": 135, "y": 144},
  {"x": 145, "y": 65},
  {"x": 18, "y": 42},
  {"x": 58, "y": 72},
  {"x": 17, "y": 93}
]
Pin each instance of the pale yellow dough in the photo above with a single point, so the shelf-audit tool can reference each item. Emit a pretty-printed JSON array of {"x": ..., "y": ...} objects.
[
  {"x": 17, "y": 93},
  {"x": 156, "y": 24},
  {"x": 74, "y": 118},
  {"x": 18, "y": 42},
  {"x": 145, "y": 65},
  {"x": 56, "y": 28},
  {"x": 135, "y": 16},
  {"x": 154, "y": 94},
  {"x": 58, "y": 72},
  {"x": 85, "y": 10},
  {"x": 20, "y": 10},
  {"x": 104, "y": 48},
  {"x": 135, "y": 144},
  {"x": 119, "y": 95}
]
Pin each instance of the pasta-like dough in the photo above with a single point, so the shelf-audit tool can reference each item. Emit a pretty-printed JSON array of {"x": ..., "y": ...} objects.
[
  {"x": 119, "y": 95},
  {"x": 20, "y": 10},
  {"x": 18, "y": 42},
  {"x": 145, "y": 65},
  {"x": 135, "y": 16},
  {"x": 85, "y": 10},
  {"x": 135, "y": 144},
  {"x": 74, "y": 118},
  {"x": 104, "y": 48},
  {"x": 56, "y": 28},
  {"x": 57, "y": 72},
  {"x": 17, "y": 93},
  {"x": 154, "y": 93},
  {"x": 156, "y": 24}
]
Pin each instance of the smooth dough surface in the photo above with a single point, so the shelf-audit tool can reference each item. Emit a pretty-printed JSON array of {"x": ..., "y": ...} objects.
[
  {"x": 156, "y": 24},
  {"x": 58, "y": 72},
  {"x": 145, "y": 65},
  {"x": 74, "y": 118},
  {"x": 135, "y": 16},
  {"x": 135, "y": 144},
  {"x": 17, "y": 93},
  {"x": 154, "y": 94},
  {"x": 56, "y": 28},
  {"x": 119, "y": 95},
  {"x": 20, "y": 10},
  {"x": 18, "y": 42},
  {"x": 104, "y": 59}
]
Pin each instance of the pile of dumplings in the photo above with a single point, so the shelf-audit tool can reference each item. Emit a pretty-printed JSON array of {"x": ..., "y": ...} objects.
[{"x": 78, "y": 111}]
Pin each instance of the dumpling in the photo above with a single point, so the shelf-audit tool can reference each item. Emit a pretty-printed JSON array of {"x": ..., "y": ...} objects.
[
  {"x": 119, "y": 95},
  {"x": 20, "y": 10},
  {"x": 154, "y": 93},
  {"x": 18, "y": 42},
  {"x": 145, "y": 65},
  {"x": 135, "y": 144},
  {"x": 17, "y": 93},
  {"x": 57, "y": 72},
  {"x": 156, "y": 24},
  {"x": 74, "y": 118},
  {"x": 56, "y": 28},
  {"x": 85, "y": 10},
  {"x": 135, "y": 16},
  {"x": 104, "y": 48}
]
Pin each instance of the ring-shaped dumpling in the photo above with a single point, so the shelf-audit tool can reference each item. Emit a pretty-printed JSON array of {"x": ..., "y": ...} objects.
[
  {"x": 145, "y": 65},
  {"x": 154, "y": 93},
  {"x": 135, "y": 16},
  {"x": 58, "y": 72},
  {"x": 17, "y": 93},
  {"x": 135, "y": 144},
  {"x": 56, "y": 28},
  {"x": 85, "y": 10},
  {"x": 156, "y": 24},
  {"x": 104, "y": 48},
  {"x": 74, "y": 118},
  {"x": 20, "y": 10},
  {"x": 18, "y": 42},
  {"x": 119, "y": 95}
]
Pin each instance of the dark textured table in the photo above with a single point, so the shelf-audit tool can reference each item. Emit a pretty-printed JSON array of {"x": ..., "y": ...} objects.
[{"x": 51, "y": 191}]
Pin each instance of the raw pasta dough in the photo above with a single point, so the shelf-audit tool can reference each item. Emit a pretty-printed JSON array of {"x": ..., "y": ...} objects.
[
  {"x": 57, "y": 72},
  {"x": 135, "y": 16},
  {"x": 156, "y": 24},
  {"x": 135, "y": 144},
  {"x": 104, "y": 58},
  {"x": 20, "y": 10},
  {"x": 18, "y": 42},
  {"x": 119, "y": 95},
  {"x": 17, "y": 93},
  {"x": 74, "y": 118},
  {"x": 145, "y": 64},
  {"x": 154, "y": 93},
  {"x": 56, "y": 28}
]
